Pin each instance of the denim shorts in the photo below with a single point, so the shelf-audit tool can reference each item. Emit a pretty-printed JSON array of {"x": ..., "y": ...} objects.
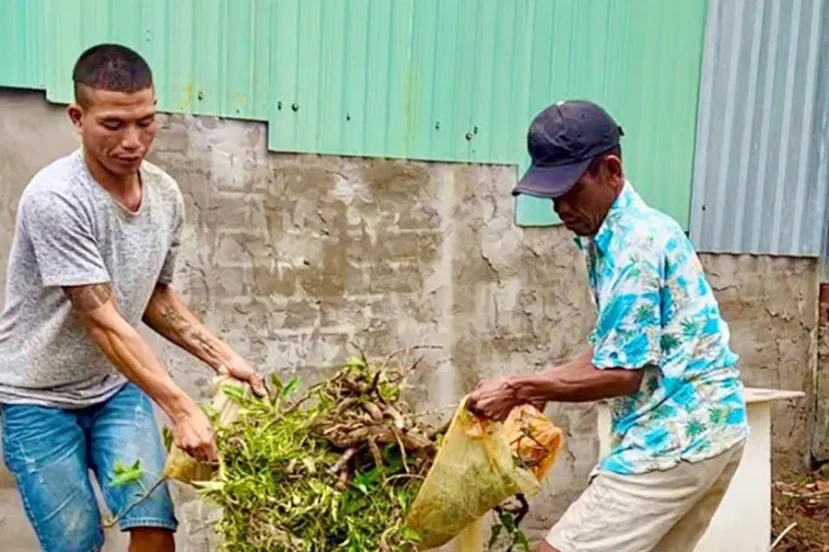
[{"x": 50, "y": 452}]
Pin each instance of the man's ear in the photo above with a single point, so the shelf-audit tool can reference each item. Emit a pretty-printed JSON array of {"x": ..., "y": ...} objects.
[
  {"x": 613, "y": 166},
  {"x": 76, "y": 114}
]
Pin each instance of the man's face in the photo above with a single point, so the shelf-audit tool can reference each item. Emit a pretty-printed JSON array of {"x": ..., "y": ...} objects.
[
  {"x": 117, "y": 128},
  {"x": 584, "y": 207}
]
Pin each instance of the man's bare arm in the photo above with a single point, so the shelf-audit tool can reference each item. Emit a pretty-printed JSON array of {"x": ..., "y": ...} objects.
[
  {"x": 577, "y": 381},
  {"x": 167, "y": 314},
  {"x": 95, "y": 307},
  {"x": 170, "y": 317}
]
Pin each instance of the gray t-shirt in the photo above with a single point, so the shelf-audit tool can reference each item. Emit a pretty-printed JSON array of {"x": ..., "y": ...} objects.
[{"x": 70, "y": 231}]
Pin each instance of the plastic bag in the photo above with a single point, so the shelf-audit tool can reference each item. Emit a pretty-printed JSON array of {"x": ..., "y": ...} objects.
[
  {"x": 471, "y": 538},
  {"x": 182, "y": 467},
  {"x": 534, "y": 439},
  {"x": 480, "y": 465}
]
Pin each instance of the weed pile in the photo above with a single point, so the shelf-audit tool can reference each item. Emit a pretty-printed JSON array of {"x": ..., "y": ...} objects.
[{"x": 334, "y": 469}]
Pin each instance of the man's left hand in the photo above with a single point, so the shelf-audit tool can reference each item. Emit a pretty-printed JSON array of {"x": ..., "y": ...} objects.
[
  {"x": 493, "y": 399},
  {"x": 238, "y": 368}
]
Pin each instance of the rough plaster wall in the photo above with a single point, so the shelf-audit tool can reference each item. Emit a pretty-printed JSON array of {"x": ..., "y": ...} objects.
[
  {"x": 388, "y": 254},
  {"x": 820, "y": 441},
  {"x": 291, "y": 257},
  {"x": 771, "y": 307}
]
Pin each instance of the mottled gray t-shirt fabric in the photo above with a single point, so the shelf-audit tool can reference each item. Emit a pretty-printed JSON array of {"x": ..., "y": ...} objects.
[{"x": 70, "y": 231}]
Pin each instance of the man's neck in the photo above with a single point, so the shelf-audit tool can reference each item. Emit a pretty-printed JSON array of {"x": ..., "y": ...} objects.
[{"x": 125, "y": 189}]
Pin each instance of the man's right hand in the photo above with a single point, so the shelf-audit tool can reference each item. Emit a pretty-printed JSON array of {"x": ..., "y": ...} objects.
[{"x": 193, "y": 433}]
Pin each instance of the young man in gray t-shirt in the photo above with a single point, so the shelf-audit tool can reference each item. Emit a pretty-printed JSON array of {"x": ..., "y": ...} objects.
[{"x": 94, "y": 252}]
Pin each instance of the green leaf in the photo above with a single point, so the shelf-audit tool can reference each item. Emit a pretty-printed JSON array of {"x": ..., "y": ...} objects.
[
  {"x": 210, "y": 486},
  {"x": 290, "y": 387},
  {"x": 355, "y": 362},
  {"x": 366, "y": 481},
  {"x": 507, "y": 521},
  {"x": 522, "y": 542},
  {"x": 410, "y": 534},
  {"x": 208, "y": 410},
  {"x": 496, "y": 532},
  {"x": 234, "y": 392},
  {"x": 275, "y": 382},
  {"x": 124, "y": 475},
  {"x": 351, "y": 503},
  {"x": 335, "y": 509}
]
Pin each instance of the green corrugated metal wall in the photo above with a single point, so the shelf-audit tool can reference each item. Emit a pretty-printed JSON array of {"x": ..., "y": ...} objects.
[{"x": 451, "y": 80}]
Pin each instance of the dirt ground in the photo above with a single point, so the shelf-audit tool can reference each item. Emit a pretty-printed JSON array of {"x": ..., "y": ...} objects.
[{"x": 804, "y": 506}]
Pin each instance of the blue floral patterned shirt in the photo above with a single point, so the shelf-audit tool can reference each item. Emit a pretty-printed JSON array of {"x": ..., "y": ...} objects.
[{"x": 657, "y": 313}]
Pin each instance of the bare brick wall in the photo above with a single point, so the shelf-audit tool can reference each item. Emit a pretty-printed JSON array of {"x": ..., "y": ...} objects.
[{"x": 292, "y": 257}]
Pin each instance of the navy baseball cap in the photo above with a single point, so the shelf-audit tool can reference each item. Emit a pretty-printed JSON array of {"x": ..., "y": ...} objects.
[{"x": 562, "y": 141}]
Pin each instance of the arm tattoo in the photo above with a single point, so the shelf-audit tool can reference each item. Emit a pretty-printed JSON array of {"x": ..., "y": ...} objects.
[
  {"x": 88, "y": 298},
  {"x": 173, "y": 322}
]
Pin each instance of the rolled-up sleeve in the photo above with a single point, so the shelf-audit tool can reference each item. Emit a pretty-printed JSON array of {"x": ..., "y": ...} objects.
[{"x": 629, "y": 323}]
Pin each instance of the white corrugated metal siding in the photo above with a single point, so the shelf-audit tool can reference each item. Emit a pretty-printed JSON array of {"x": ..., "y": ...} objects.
[{"x": 760, "y": 170}]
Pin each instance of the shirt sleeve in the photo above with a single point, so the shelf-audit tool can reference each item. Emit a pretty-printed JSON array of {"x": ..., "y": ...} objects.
[
  {"x": 64, "y": 243},
  {"x": 168, "y": 269},
  {"x": 629, "y": 323}
]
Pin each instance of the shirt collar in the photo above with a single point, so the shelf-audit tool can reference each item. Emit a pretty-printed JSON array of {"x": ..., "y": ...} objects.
[{"x": 622, "y": 204}]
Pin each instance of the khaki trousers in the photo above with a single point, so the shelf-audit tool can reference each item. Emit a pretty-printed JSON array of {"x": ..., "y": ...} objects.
[{"x": 660, "y": 511}]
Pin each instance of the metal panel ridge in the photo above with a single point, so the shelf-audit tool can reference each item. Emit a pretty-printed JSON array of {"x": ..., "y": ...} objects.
[
  {"x": 760, "y": 169},
  {"x": 435, "y": 80}
]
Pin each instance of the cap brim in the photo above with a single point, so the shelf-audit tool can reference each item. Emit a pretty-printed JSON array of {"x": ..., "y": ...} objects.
[{"x": 550, "y": 182}]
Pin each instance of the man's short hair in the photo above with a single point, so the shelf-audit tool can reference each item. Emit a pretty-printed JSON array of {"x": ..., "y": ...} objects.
[{"x": 110, "y": 67}]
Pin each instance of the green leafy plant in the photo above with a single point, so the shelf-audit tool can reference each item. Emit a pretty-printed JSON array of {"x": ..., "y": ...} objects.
[{"x": 334, "y": 469}]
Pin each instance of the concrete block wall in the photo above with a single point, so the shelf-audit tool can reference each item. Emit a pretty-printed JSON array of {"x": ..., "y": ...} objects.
[
  {"x": 771, "y": 305},
  {"x": 292, "y": 257},
  {"x": 820, "y": 435}
]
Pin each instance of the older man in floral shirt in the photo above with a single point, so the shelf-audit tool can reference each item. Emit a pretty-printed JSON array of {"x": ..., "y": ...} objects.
[{"x": 659, "y": 352}]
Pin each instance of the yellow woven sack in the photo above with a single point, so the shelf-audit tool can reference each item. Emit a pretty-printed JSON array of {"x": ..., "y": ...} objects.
[
  {"x": 182, "y": 467},
  {"x": 481, "y": 464}
]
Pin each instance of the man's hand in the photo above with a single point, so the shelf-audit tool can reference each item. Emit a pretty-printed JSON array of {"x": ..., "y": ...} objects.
[
  {"x": 238, "y": 368},
  {"x": 193, "y": 433},
  {"x": 494, "y": 399}
]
